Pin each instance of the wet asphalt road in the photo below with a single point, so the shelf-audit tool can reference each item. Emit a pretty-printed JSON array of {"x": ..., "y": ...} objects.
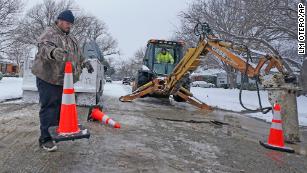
[{"x": 149, "y": 141}]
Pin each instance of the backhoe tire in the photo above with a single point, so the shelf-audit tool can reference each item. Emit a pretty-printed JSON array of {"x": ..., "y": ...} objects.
[
  {"x": 142, "y": 79},
  {"x": 178, "y": 99}
]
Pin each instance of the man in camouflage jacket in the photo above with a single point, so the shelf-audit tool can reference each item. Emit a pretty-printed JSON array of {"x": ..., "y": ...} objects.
[{"x": 55, "y": 47}]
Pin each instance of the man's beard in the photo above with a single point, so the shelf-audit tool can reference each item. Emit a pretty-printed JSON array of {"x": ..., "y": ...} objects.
[{"x": 66, "y": 32}]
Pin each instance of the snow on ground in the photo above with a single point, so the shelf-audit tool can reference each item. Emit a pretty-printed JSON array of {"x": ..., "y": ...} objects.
[
  {"x": 116, "y": 89},
  {"x": 228, "y": 99},
  {"x": 10, "y": 88}
]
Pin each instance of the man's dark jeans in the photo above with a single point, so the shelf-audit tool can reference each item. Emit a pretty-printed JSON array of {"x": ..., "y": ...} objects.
[{"x": 50, "y": 98}]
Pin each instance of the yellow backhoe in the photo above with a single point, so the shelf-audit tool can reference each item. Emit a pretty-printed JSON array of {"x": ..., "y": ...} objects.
[{"x": 226, "y": 51}]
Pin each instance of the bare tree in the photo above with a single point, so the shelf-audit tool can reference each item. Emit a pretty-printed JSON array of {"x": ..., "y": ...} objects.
[
  {"x": 92, "y": 28},
  {"x": 123, "y": 68},
  {"x": 139, "y": 55},
  {"x": 131, "y": 66},
  {"x": 261, "y": 21},
  {"x": 85, "y": 27},
  {"x": 268, "y": 25},
  {"x": 38, "y": 18},
  {"x": 137, "y": 60},
  {"x": 108, "y": 45},
  {"x": 17, "y": 52},
  {"x": 9, "y": 13}
]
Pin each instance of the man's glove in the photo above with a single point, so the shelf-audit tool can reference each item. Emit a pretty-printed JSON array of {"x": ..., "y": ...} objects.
[
  {"x": 58, "y": 54},
  {"x": 89, "y": 66}
]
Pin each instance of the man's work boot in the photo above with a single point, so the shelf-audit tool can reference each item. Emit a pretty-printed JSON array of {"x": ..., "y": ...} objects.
[{"x": 48, "y": 146}]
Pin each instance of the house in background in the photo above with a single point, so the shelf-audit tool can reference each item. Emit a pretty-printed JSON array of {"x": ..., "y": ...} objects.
[
  {"x": 8, "y": 67},
  {"x": 208, "y": 75},
  {"x": 222, "y": 81},
  {"x": 218, "y": 77}
]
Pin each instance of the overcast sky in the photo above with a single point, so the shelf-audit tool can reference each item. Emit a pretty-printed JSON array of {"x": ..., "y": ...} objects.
[{"x": 133, "y": 22}]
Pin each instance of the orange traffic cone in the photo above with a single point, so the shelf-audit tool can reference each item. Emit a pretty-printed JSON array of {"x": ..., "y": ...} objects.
[
  {"x": 68, "y": 128},
  {"x": 68, "y": 116},
  {"x": 276, "y": 136},
  {"x": 96, "y": 113}
]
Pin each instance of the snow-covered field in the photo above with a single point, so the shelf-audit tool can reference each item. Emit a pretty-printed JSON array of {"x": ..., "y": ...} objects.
[
  {"x": 116, "y": 89},
  {"x": 10, "y": 88},
  {"x": 227, "y": 99}
]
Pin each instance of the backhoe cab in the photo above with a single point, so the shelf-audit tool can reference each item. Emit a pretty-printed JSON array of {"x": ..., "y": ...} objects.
[{"x": 153, "y": 66}]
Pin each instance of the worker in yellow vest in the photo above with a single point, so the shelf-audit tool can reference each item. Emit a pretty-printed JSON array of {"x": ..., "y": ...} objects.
[{"x": 164, "y": 57}]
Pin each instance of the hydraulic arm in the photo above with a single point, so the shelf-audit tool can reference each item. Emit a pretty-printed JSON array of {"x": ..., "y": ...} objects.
[{"x": 221, "y": 49}]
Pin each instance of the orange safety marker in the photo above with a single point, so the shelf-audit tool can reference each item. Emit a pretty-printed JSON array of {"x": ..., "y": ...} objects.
[
  {"x": 68, "y": 128},
  {"x": 276, "y": 136},
  {"x": 96, "y": 114},
  {"x": 68, "y": 116}
]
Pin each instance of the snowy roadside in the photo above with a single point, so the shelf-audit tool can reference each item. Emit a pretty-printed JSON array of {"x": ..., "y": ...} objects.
[
  {"x": 10, "y": 88},
  {"x": 116, "y": 89},
  {"x": 228, "y": 99}
]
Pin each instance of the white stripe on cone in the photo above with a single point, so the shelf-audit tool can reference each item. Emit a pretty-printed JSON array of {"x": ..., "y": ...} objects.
[
  {"x": 276, "y": 126},
  {"x": 68, "y": 99},
  {"x": 110, "y": 121},
  {"x": 104, "y": 119},
  {"x": 68, "y": 81},
  {"x": 276, "y": 115}
]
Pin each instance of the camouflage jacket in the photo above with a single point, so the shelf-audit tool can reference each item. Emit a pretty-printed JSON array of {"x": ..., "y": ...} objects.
[{"x": 49, "y": 69}]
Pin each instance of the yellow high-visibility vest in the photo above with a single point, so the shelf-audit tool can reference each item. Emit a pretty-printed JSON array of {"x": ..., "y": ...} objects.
[{"x": 167, "y": 58}]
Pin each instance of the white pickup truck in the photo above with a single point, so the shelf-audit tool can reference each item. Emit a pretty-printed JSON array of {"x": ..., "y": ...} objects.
[{"x": 88, "y": 89}]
